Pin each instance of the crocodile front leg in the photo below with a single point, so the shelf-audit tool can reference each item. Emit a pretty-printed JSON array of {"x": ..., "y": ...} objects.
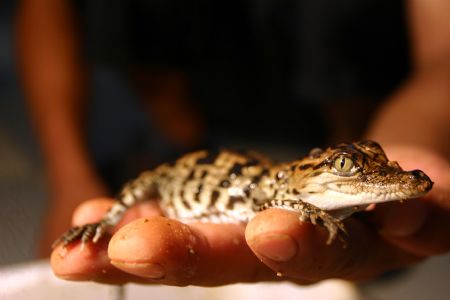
[{"x": 310, "y": 213}]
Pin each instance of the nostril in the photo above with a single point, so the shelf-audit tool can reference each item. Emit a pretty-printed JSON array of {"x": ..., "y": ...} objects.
[
  {"x": 418, "y": 174},
  {"x": 420, "y": 180}
]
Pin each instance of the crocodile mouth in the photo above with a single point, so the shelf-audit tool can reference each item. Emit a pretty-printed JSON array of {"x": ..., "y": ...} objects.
[
  {"x": 397, "y": 185},
  {"x": 365, "y": 189}
]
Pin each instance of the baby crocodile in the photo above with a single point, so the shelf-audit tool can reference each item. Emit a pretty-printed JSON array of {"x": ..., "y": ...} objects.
[{"x": 226, "y": 186}]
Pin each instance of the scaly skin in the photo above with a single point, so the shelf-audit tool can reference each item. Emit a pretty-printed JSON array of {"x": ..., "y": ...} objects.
[{"x": 225, "y": 186}]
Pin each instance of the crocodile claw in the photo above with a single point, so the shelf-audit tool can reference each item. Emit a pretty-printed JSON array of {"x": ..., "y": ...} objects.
[
  {"x": 335, "y": 227},
  {"x": 88, "y": 232}
]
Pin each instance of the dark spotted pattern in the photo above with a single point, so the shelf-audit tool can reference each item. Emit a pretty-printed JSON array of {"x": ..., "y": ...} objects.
[{"x": 227, "y": 186}]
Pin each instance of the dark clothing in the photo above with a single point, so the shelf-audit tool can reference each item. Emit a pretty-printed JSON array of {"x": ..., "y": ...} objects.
[{"x": 260, "y": 70}]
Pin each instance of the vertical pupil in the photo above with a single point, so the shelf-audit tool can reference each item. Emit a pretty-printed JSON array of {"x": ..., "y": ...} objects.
[{"x": 342, "y": 163}]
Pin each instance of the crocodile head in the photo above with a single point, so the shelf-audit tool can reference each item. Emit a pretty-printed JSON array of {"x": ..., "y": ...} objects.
[{"x": 351, "y": 176}]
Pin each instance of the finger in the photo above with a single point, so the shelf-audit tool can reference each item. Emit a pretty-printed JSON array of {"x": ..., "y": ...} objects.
[
  {"x": 419, "y": 226},
  {"x": 165, "y": 251},
  {"x": 299, "y": 250},
  {"x": 93, "y": 210},
  {"x": 170, "y": 252},
  {"x": 90, "y": 263}
]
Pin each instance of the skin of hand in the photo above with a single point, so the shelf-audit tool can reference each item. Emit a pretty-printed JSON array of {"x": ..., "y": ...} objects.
[{"x": 154, "y": 249}]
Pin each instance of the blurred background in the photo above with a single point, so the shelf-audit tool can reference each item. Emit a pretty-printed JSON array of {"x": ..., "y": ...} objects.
[
  {"x": 222, "y": 97},
  {"x": 23, "y": 194}
]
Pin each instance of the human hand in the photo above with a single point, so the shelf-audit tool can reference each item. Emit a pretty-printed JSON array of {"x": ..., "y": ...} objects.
[{"x": 154, "y": 249}]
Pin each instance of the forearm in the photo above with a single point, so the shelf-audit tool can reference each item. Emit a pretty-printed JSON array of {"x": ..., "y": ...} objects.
[
  {"x": 418, "y": 113},
  {"x": 54, "y": 84}
]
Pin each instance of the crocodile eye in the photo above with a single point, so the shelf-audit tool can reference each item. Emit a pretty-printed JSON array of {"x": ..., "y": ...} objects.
[{"x": 343, "y": 164}]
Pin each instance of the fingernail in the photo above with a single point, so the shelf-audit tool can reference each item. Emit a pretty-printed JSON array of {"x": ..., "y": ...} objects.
[
  {"x": 404, "y": 220},
  {"x": 277, "y": 247},
  {"x": 147, "y": 270}
]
